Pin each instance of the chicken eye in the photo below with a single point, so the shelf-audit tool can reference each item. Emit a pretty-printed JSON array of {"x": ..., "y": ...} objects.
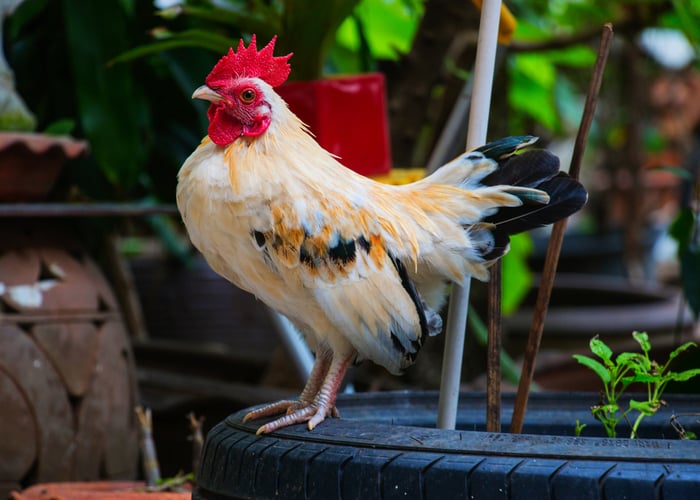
[{"x": 247, "y": 96}]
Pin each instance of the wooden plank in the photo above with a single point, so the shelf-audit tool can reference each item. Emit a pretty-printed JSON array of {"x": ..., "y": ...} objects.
[
  {"x": 72, "y": 349},
  {"x": 108, "y": 300},
  {"x": 121, "y": 442},
  {"x": 32, "y": 372},
  {"x": 74, "y": 289},
  {"x": 19, "y": 438},
  {"x": 19, "y": 267},
  {"x": 106, "y": 441},
  {"x": 92, "y": 417}
]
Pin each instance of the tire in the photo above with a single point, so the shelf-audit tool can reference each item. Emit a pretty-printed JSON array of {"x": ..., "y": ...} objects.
[{"x": 384, "y": 447}]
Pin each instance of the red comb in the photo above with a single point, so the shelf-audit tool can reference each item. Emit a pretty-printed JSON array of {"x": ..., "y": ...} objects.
[{"x": 248, "y": 62}]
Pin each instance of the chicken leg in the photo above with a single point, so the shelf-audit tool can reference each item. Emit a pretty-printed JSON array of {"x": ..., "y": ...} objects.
[{"x": 316, "y": 401}]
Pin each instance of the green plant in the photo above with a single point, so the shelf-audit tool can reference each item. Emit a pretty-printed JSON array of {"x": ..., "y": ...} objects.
[
  {"x": 578, "y": 427},
  {"x": 625, "y": 369}
]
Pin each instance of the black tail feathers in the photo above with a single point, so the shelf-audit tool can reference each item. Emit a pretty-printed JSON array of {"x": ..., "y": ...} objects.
[{"x": 537, "y": 169}]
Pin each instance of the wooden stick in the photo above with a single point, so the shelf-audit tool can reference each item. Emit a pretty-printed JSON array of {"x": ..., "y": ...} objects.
[
  {"x": 493, "y": 352},
  {"x": 197, "y": 438},
  {"x": 151, "y": 469},
  {"x": 555, "y": 241}
]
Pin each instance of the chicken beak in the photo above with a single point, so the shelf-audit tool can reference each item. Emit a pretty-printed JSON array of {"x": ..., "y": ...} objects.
[{"x": 207, "y": 94}]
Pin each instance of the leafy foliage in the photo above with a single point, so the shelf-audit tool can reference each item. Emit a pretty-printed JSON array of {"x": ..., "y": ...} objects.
[
  {"x": 138, "y": 118},
  {"x": 365, "y": 30},
  {"x": 618, "y": 373},
  {"x": 111, "y": 103},
  {"x": 517, "y": 277},
  {"x": 555, "y": 41},
  {"x": 122, "y": 73}
]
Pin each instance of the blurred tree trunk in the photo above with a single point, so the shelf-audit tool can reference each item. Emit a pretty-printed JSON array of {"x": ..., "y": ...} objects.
[
  {"x": 419, "y": 97},
  {"x": 635, "y": 97}
]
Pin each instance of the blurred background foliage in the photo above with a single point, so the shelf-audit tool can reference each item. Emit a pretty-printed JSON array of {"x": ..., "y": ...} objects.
[
  {"x": 120, "y": 74},
  {"x": 122, "y": 71}
]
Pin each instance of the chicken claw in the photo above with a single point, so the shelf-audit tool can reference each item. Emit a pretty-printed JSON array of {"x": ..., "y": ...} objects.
[
  {"x": 317, "y": 400},
  {"x": 313, "y": 414},
  {"x": 284, "y": 406}
]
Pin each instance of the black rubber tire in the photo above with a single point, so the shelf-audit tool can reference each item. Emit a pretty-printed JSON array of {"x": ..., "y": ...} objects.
[{"x": 384, "y": 447}]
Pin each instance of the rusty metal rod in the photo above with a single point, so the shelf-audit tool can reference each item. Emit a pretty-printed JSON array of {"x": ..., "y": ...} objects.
[
  {"x": 555, "y": 241},
  {"x": 493, "y": 351}
]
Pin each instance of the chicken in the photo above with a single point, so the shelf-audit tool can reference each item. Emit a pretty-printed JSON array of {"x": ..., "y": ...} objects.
[{"x": 360, "y": 268}]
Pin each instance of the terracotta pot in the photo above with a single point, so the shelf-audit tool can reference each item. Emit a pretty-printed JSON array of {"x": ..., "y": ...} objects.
[
  {"x": 347, "y": 115},
  {"x": 30, "y": 163},
  {"x": 121, "y": 490}
]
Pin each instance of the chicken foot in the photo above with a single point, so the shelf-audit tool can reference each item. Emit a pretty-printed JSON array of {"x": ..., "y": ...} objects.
[
  {"x": 313, "y": 385},
  {"x": 316, "y": 401}
]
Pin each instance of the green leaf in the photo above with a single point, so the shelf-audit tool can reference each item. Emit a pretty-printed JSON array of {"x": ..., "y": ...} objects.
[
  {"x": 643, "y": 340},
  {"x": 112, "y": 105},
  {"x": 644, "y": 378},
  {"x": 606, "y": 411},
  {"x": 260, "y": 19},
  {"x": 577, "y": 56},
  {"x": 60, "y": 127},
  {"x": 600, "y": 349},
  {"x": 594, "y": 365},
  {"x": 536, "y": 67},
  {"x": 388, "y": 27},
  {"x": 627, "y": 358},
  {"x": 310, "y": 33},
  {"x": 641, "y": 364},
  {"x": 684, "y": 375},
  {"x": 25, "y": 13},
  {"x": 531, "y": 91},
  {"x": 681, "y": 228},
  {"x": 686, "y": 14},
  {"x": 517, "y": 277},
  {"x": 189, "y": 38},
  {"x": 678, "y": 350},
  {"x": 648, "y": 408}
]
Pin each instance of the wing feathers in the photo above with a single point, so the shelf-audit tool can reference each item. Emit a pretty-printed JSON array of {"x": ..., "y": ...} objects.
[{"x": 361, "y": 287}]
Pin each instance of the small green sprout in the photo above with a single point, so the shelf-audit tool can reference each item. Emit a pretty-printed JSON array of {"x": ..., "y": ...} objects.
[{"x": 627, "y": 368}]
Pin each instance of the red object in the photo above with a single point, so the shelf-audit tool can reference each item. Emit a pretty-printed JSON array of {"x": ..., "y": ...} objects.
[
  {"x": 248, "y": 62},
  {"x": 348, "y": 117},
  {"x": 99, "y": 490}
]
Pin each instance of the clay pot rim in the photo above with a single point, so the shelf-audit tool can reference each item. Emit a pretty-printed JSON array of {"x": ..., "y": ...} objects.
[{"x": 41, "y": 143}]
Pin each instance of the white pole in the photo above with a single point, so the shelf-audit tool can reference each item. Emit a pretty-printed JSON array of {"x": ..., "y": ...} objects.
[
  {"x": 302, "y": 356},
  {"x": 487, "y": 44}
]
